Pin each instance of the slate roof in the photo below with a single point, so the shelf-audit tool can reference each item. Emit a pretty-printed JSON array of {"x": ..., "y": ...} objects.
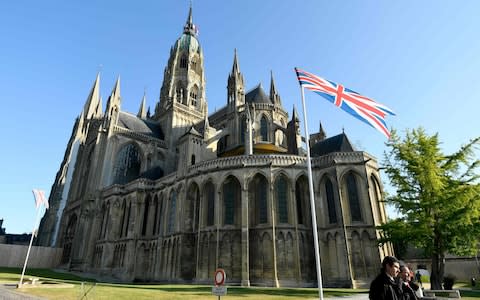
[
  {"x": 138, "y": 125},
  {"x": 257, "y": 95},
  {"x": 338, "y": 143}
]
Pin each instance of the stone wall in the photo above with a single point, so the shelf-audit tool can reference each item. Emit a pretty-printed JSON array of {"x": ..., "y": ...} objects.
[
  {"x": 13, "y": 256},
  {"x": 462, "y": 268}
]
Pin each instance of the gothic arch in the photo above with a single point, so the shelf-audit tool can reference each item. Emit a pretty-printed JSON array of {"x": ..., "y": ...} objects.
[
  {"x": 128, "y": 162},
  {"x": 209, "y": 203},
  {"x": 194, "y": 95},
  {"x": 264, "y": 128},
  {"x": 68, "y": 238},
  {"x": 282, "y": 198},
  {"x": 352, "y": 190},
  {"x": 231, "y": 201},
  {"x": 192, "y": 204},
  {"x": 302, "y": 201},
  {"x": 258, "y": 190},
  {"x": 329, "y": 194}
]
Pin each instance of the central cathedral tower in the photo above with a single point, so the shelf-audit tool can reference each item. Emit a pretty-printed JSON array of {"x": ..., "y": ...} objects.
[{"x": 182, "y": 101}]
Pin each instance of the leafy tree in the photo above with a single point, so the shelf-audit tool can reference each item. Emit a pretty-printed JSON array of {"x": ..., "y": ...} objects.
[{"x": 437, "y": 195}]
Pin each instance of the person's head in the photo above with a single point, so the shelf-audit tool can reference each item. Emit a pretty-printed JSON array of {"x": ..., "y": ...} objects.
[
  {"x": 405, "y": 273},
  {"x": 391, "y": 266}
]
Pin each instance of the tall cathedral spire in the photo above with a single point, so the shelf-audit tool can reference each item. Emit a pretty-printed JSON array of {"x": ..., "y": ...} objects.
[
  {"x": 274, "y": 96},
  {"x": 189, "y": 27},
  {"x": 90, "y": 110},
  {"x": 142, "y": 112},
  {"x": 235, "y": 85}
]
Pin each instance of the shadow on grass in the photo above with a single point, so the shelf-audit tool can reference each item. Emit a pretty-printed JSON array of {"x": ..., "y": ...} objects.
[
  {"x": 239, "y": 291},
  {"x": 45, "y": 273}
]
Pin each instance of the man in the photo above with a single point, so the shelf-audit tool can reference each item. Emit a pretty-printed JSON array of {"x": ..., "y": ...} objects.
[
  {"x": 384, "y": 286},
  {"x": 410, "y": 290}
]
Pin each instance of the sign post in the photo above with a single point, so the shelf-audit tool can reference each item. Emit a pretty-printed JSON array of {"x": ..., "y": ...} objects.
[{"x": 219, "y": 289}]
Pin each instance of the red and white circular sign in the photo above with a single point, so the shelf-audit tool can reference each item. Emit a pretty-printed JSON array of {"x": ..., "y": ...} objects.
[{"x": 220, "y": 277}]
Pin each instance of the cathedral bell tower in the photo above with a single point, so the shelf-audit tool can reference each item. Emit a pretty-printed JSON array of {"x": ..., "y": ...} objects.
[{"x": 182, "y": 101}]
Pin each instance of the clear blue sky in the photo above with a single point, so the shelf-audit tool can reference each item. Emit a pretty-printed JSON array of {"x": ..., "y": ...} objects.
[{"x": 420, "y": 58}]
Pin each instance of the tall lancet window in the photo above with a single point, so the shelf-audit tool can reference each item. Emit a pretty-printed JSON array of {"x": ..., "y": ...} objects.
[
  {"x": 332, "y": 213},
  {"x": 264, "y": 129},
  {"x": 210, "y": 207},
  {"x": 353, "y": 199},
  {"x": 194, "y": 96},
  {"x": 281, "y": 189},
  {"x": 183, "y": 62},
  {"x": 127, "y": 164}
]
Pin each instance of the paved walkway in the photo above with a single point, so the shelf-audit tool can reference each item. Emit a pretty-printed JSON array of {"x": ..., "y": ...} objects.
[
  {"x": 363, "y": 296},
  {"x": 8, "y": 292}
]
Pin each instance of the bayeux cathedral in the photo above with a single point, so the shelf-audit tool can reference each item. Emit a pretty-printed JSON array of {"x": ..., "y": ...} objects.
[{"x": 174, "y": 195}]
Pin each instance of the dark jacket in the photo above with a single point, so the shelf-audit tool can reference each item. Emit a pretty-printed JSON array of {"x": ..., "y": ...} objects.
[
  {"x": 383, "y": 288},
  {"x": 409, "y": 291}
]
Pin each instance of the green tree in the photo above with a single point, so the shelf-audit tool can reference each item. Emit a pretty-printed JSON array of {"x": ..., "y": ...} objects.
[{"x": 437, "y": 196}]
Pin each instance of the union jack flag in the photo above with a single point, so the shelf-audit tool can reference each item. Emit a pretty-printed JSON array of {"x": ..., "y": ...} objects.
[
  {"x": 40, "y": 198},
  {"x": 361, "y": 107}
]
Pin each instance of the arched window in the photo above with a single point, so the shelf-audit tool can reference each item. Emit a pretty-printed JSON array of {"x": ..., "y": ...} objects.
[
  {"x": 210, "y": 197},
  {"x": 183, "y": 62},
  {"x": 194, "y": 96},
  {"x": 172, "y": 211},
  {"x": 332, "y": 213},
  {"x": 231, "y": 200},
  {"x": 179, "y": 94},
  {"x": 192, "y": 161},
  {"x": 258, "y": 190},
  {"x": 155, "y": 218},
  {"x": 145, "y": 215},
  {"x": 302, "y": 200},
  {"x": 282, "y": 199},
  {"x": 127, "y": 164},
  {"x": 264, "y": 129},
  {"x": 353, "y": 198}
]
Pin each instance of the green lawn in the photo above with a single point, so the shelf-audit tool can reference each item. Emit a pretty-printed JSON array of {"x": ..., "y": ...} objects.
[{"x": 150, "y": 291}]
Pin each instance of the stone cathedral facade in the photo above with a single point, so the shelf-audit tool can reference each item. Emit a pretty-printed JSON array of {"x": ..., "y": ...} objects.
[{"x": 173, "y": 195}]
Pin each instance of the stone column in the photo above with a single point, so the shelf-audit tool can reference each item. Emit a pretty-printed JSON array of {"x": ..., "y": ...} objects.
[{"x": 244, "y": 238}]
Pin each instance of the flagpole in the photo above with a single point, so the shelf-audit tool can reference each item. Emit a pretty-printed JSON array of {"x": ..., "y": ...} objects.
[
  {"x": 39, "y": 208},
  {"x": 312, "y": 201}
]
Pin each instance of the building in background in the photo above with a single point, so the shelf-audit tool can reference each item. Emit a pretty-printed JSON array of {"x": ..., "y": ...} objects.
[{"x": 173, "y": 195}]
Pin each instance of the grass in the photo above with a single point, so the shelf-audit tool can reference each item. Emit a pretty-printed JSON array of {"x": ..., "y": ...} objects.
[{"x": 98, "y": 290}]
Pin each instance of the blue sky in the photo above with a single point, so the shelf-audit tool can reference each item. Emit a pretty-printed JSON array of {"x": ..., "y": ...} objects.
[{"x": 420, "y": 58}]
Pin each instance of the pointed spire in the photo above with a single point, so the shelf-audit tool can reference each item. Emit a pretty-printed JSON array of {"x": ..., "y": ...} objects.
[
  {"x": 235, "y": 67},
  {"x": 142, "y": 112},
  {"x": 295, "y": 114},
  {"x": 90, "y": 108},
  {"x": 273, "y": 89},
  {"x": 189, "y": 27},
  {"x": 321, "y": 131},
  {"x": 114, "y": 98}
]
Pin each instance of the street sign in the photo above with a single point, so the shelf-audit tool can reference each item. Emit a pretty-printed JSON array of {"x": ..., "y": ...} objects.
[
  {"x": 219, "y": 277},
  {"x": 219, "y": 290}
]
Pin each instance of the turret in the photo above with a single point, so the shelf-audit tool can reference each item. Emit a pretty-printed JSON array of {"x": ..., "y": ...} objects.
[
  {"x": 235, "y": 85},
  {"x": 274, "y": 96}
]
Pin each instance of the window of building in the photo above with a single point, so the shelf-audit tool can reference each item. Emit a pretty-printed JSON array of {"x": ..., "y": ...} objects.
[
  {"x": 210, "y": 196},
  {"x": 228, "y": 200},
  {"x": 282, "y": 196},
  {"x": 145, "y": 215},
  {"x": 183, "y": 62},
  {"x": 264, "y": 129},
  {"x": 353, "y": 198},
  {"x": 127, "y": 164},
  {"x": 332, "y": 214}
]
